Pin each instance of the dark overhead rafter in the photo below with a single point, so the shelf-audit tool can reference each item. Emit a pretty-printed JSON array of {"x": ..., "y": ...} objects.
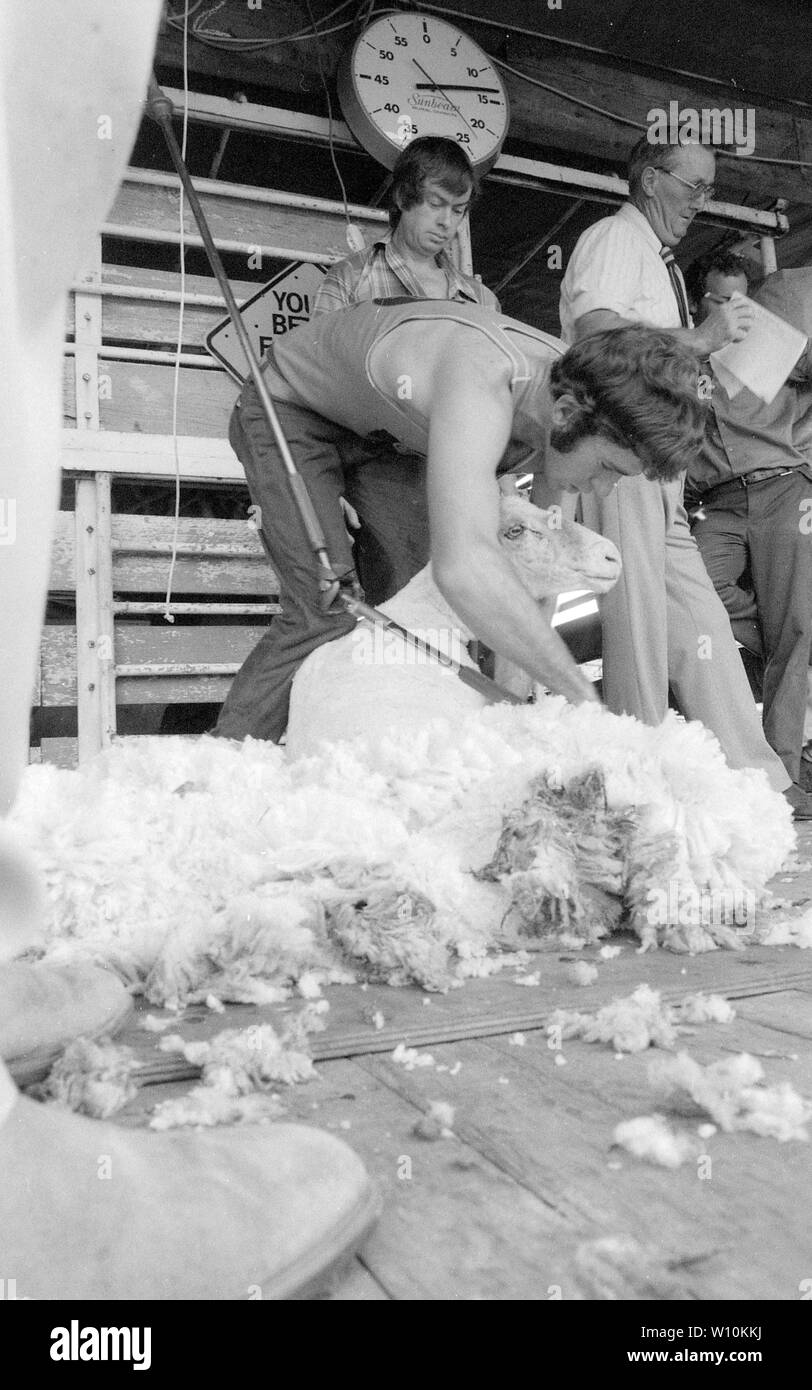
[
  {"x": 760, "y": 46},
  {"x": 548, "y": 122}
]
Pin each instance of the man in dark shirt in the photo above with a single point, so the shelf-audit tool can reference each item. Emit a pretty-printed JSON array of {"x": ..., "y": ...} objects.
[{"x": 750, "y": 490}]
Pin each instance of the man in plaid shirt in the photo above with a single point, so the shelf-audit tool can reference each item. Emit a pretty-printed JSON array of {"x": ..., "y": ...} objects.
[{"x": 433, "y": 187}]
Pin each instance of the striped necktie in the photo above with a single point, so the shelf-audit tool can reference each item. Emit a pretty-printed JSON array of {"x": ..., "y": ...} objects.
[{"x": 676, "y": 285}]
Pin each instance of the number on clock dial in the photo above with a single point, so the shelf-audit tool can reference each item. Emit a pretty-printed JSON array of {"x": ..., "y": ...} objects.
[{"x": 435, "y": 83}]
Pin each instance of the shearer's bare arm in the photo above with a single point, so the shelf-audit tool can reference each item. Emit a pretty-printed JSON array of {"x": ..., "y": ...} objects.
[{"x": 471, "y": 419}]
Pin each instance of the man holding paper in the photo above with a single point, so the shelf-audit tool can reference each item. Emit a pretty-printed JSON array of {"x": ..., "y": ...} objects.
[
  {"x": 663, "y": 624},
  {"x": 751, "y": 490}
]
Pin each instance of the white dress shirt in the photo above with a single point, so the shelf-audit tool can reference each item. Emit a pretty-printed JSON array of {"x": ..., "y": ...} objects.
[{"x": 616, "y": 265}]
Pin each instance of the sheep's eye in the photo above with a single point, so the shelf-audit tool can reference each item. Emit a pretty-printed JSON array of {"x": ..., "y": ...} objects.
[{"x": 513, "y": 533}]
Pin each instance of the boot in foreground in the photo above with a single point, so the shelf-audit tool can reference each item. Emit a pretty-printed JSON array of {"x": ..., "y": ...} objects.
[
  {"x": 45, "y": 1007},
  {"x": 93, "y": 1211}
]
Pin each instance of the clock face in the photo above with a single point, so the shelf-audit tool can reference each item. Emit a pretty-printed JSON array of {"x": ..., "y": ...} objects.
[{"x": 412, "y": 74}]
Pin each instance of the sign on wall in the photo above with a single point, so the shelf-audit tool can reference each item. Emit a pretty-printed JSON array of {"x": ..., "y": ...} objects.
[{"x": 279, "y": 306}]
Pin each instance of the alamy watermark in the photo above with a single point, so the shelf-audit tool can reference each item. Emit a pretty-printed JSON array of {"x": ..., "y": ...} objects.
[
  {"x": 76, "y": 1343},
  {"x": 380, "y": 646},
  {"x": 734, "y": 127},
  {"x": 685, "y": 905}
]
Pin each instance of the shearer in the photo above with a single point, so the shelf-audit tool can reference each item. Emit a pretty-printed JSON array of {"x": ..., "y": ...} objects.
[{"x": 479, "y": 394}]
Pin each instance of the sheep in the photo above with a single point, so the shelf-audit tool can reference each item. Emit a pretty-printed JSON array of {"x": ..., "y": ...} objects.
[{"x": 370, "y": 682}]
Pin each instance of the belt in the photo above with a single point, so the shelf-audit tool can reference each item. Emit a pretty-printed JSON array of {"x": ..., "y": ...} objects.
[{"x": 743, "y": 480}]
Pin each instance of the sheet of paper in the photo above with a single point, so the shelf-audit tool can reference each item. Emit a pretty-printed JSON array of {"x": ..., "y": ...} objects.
[
  {"x": 763, "y": 359},
  {"x": 730, "y": 382}
]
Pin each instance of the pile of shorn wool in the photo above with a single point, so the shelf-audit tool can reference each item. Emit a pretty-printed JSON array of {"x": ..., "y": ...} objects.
[{"x": 200, "y": 866}]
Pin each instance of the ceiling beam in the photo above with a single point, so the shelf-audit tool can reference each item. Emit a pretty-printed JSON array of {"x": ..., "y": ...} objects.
[
  {"x": 529, "y": 173},
  {"x": 549, "y": 121},
  {"x": 547, "y": 118}
]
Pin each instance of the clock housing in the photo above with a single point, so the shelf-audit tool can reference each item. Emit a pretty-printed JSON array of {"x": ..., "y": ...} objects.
[{"x": 414, "y": 74}]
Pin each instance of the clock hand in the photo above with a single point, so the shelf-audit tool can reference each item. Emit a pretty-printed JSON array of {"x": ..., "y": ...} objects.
[
  {"x": 437, "y": 86},
  {"x": 452, "y": 87}
]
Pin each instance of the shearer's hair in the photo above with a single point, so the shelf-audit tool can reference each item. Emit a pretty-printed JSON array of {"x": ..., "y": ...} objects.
[
  {"x": 430, "y": 157},
  {"x": 637, "y": 387}
]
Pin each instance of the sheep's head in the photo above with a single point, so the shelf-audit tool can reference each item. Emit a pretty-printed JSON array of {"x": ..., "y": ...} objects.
[{"x": 553, "y": 555}]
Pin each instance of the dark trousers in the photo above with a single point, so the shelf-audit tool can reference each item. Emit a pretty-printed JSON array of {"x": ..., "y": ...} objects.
[
  {"x": 764, "y": 530},
  {"x": 388, "y": 491}
]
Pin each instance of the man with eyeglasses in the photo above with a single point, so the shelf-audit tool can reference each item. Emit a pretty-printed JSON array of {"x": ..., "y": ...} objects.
[{"x": 663, "y": 624}]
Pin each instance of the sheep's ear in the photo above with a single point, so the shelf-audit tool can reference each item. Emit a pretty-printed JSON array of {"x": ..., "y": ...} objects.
[{"x": 565, "y": 407}]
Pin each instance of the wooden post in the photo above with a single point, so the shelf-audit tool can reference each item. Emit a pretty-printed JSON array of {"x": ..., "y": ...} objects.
[
  {"x": 272, "y": 197},
  {"x": 105, "y": 640},
  {"x": 95, "y": 663},
  {"x": 769, "y": 260},
  {"x": 88, "y": 331},
  {"x": 88, "y": 684}
]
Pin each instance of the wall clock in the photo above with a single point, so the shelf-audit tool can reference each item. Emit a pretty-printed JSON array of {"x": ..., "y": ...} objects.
[{"x": 413, "y": 74}]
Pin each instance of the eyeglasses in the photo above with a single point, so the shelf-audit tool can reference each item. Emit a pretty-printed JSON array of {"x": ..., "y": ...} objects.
[{"x": 703, "y": 191}]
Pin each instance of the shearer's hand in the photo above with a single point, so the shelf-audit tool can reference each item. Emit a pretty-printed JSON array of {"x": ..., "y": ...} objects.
[{"x": 585, "y": 695}]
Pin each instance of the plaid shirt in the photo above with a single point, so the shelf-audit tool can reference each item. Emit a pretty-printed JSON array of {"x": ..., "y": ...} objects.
[{"x": 379, "y": 272}]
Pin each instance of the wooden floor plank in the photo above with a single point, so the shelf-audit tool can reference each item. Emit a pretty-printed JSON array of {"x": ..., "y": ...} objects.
[
  {"x": 453, "y": 1225},
  {"x": 484, "y": 1007},
  {"x": 529, "y": 1199},
  {"x": 523, "y": 1202},
  {"x": 789, "y": 1011},
  {"x": 550, "y": 1128},
  {"x": 604, "y": 1073}
]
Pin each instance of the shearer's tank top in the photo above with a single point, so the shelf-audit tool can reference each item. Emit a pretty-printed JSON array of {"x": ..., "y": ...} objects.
[{"x": 329, "y": 365}]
